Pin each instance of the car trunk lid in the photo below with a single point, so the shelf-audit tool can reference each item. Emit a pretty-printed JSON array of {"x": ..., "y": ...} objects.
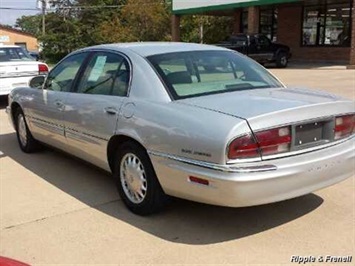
[
  {"x": 265, "y": 108},
  {"x": 18, "y": 69},
  {"x": 309, "y": 113}
]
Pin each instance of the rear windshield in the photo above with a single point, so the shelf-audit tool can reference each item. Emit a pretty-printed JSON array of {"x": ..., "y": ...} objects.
[
  {"x": 197, "y": 73},
  {"x": 9, "y": 54}
]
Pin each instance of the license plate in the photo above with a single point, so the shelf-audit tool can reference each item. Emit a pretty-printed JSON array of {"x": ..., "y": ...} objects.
[{"x": 309, "y": 133}]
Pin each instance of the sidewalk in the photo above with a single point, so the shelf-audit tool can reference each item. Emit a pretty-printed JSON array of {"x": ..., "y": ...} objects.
[{"x": 321, "y": 66}]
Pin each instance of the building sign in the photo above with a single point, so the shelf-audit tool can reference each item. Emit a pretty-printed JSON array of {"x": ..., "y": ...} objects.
[
  {"x": 4, "y": 38},
  {"x": 196, "y": 6},
  {"x": 183, "y": 4}
]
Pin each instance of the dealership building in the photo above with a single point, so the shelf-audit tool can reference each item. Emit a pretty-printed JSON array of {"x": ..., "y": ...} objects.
[{"x": 315, "y": 30}]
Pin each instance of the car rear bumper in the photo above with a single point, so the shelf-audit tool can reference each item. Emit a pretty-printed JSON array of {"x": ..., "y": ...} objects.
[
  {"x": 291, "y": 177},
  {"x": 8, "y": 84}
]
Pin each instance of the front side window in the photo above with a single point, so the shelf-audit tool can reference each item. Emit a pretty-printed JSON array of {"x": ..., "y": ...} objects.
[
  {"x": 327, "y": 24},
  {"x": 106, "y": 74},
  {"x": 197, "y": 73},
  {"x": 13, "y": 54},
  {"x": 61, "y": 78},
  {"x": 263, "y": 41}
]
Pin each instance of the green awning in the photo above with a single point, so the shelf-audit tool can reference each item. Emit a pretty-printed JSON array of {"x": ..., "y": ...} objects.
[{"x": 182, "y": 6}]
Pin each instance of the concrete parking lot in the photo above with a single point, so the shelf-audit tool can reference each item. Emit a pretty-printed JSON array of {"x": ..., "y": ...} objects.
[{"x": 58, "y": 210}]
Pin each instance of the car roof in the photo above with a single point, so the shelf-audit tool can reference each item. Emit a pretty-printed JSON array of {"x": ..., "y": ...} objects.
[
  {"x": 153, "y": 48},
  {"x": 8, "y": 46}
]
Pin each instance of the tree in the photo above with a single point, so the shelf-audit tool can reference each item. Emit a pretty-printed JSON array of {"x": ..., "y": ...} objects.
[
  {"x": 146, "y": 20},
  {"x": 215, "y": 28},
  {"x": 62, "y": 37},
  {"x": 138, "y": 20},
  {"x": 79, "y": 23},
  {"x": 189, "y": 26},
  {"x": 30, "y": 24}
]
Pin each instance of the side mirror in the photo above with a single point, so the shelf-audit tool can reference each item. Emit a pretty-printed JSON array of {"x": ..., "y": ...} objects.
[{"x": 37, "y": 82}]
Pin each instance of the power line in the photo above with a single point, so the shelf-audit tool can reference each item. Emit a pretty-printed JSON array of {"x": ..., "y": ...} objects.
[
  {"x": 17, "y": 8},
  {"x": 75, "y": 7},
  {"x": 87, "y": 7}
]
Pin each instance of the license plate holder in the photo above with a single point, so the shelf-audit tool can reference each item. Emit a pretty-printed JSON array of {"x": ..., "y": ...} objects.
[{"x": 309, "y": 133}]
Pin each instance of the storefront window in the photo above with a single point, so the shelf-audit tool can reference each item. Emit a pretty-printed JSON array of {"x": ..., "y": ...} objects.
[
  {"x": 327, "y": 24},
  {"x": 268, "y": 22},
  {"x": 244, "y": 21}
]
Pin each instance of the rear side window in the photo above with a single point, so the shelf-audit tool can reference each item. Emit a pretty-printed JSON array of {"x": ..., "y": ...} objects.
[{"x": 106, "y": 74}]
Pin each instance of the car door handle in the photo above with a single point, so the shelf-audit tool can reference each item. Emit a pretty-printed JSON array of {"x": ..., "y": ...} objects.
[{"x": 111, "y": 110}]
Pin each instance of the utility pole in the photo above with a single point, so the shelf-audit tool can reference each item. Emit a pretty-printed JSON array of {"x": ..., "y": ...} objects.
[
  {"x": 201, "y": 32},
  {"x": 44, "y": 5}
]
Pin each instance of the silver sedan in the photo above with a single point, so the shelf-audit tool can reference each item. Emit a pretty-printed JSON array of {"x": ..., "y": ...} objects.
[{"x": 193, "y": 121}]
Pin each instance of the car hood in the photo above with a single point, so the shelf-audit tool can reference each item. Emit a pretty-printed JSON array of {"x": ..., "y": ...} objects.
[{"x": 266, "y": 107}]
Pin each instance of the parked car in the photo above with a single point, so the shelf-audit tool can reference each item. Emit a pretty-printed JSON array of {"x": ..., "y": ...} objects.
[
  {"x": 17, "y": 68},
  {"x": 260, "y": 48},
  {"x": 198, "y": 122},
  {"x": 34, "y": 54}
]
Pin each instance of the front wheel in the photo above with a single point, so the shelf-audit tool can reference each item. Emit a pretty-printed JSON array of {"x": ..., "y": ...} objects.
[
  {"x": 281, "y": 60},
  {"x": 26, "y": 142},
  {"x": 136, "y": 180}
]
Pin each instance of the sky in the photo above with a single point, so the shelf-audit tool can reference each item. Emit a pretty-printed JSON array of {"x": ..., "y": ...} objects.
[{"x": 9, "y": 16}]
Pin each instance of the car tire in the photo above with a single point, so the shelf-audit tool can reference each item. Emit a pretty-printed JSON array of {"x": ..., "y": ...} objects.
[
  {"x": 281, "y": 60},
  {"x": 25, "y": 139},
  {"x": 136, "y": 180}
]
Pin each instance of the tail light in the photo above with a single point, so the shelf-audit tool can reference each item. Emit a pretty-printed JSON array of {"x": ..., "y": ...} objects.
[
  {"x": 344, "y": 126},
  {"x": 243, "y": 147},
  {"x": 266, "y": 142},
  {"x": 274, "y": 140},
  {"x": 42, "y": 69}
]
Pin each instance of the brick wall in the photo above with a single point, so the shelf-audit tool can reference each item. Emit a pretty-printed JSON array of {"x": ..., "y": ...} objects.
[
  {"x": 289, "y": 33},
  {"x": 253, "y": 19},
  {"x": 175, "y": 28},
  {"x": 18, "y": 37},
  {"x": 236, "y": 21},
  {"x": 352, "y": 52}
]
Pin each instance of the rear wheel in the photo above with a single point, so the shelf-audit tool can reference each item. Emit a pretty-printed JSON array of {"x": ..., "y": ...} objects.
[
  {"x": 136, "y": 180},
  {"x": 282, "y": 60},
  {"x": 26, "y": 142}
]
